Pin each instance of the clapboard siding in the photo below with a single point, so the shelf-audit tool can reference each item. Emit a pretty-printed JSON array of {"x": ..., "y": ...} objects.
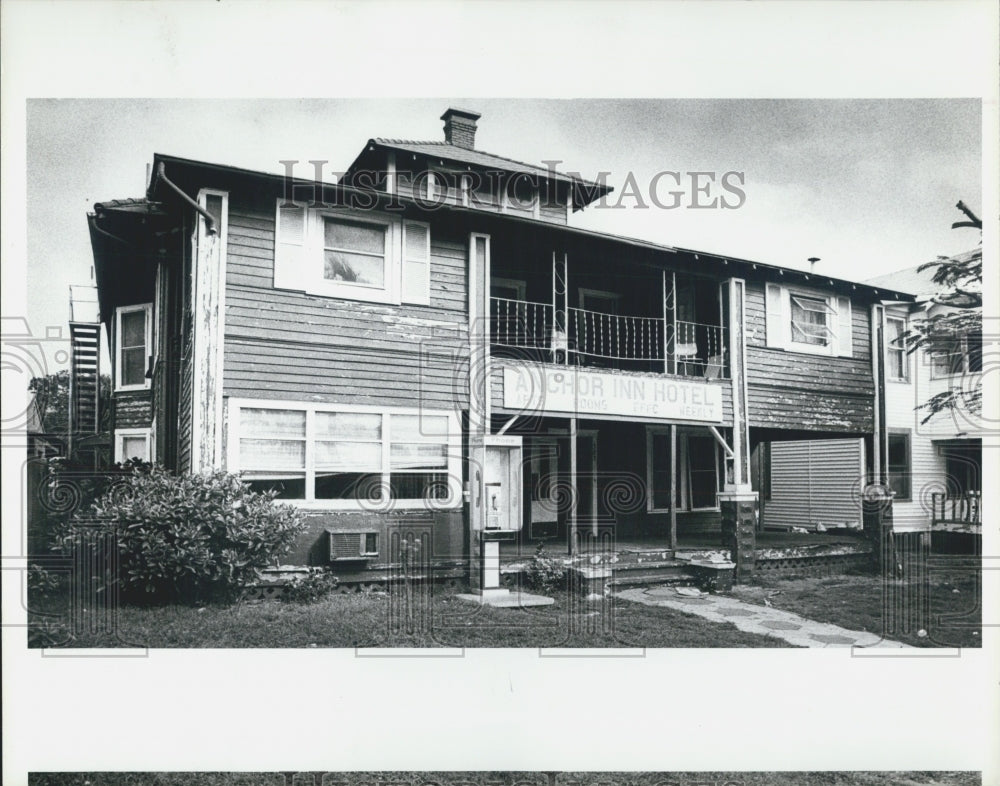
[
  {"x": 797, "y": 390},
  {"x": 927, "y": 467},
  {"x": 184, "y": 417},
  {"x": 809, "y": 410},
  {"x": 815, "y": 482},
  {"x": 555, "y": 214},
  {"x": 133, "y": 409},
  {"x": 306, "y": 372},
  {"x": 292, "y": 345}
]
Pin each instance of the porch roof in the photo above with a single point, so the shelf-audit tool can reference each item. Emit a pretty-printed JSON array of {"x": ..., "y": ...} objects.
[{"x": 738, "y": 265}]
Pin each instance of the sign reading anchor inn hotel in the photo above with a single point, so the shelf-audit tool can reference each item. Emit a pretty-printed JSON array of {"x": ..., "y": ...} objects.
[{"x": 574, "y": 391}]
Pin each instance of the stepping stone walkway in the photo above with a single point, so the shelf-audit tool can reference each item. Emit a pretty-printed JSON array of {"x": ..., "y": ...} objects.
[{"x": 764, "y": 620}]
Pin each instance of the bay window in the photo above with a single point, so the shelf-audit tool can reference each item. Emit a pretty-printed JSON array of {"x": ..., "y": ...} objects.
[{"x": 344, "y": 456}]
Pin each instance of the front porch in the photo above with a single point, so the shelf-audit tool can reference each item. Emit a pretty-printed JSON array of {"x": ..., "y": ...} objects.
[{"x": 603, "y": 563}]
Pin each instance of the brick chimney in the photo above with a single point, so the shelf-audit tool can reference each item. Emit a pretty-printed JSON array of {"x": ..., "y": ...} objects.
[{"x": 460, "y": 128}]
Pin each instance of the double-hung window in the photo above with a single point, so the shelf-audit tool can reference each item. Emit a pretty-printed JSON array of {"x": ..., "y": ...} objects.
[
  {"x": 351, "y": 254},
  {"x": 355, "y": 252},
  {"x": 957, "y": 355},
  {"x": 345, "y": 457},
  {"x": 898, "y": 362},
  {"x": 133, "y": 346}
]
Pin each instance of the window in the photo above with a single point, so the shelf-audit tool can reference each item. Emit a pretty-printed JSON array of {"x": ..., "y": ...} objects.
[
  {"x": 133, "y": 443},
  {"x": 897, "y": 361},
  {"x": 810, "y": 321},
  {"x": 957, "y": 356},
  {"x": 344, "y": 457},
  {"x": 963, "y": 468},
  {"x": 133, "y": 346},
  {"x": 697, "y": 471},
  {"x": 899, "y": 464},
  {"x": 599, "y": 301},
  {"x": 351, "y": 254},
  {"x": 354, "y": 253}
]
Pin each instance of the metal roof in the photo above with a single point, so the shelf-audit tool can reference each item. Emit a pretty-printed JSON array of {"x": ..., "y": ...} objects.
[{"x": 464, "y": 155}]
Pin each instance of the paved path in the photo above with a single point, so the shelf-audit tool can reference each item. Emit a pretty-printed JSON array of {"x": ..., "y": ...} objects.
[{"x": 765, "y": 620}]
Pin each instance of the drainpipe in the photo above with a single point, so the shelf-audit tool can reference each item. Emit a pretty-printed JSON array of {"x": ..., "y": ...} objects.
[{"x": 209, "y": 219}]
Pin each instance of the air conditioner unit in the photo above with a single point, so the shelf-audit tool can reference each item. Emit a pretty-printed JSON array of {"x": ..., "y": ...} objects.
[{"x": 348, "y": 545}]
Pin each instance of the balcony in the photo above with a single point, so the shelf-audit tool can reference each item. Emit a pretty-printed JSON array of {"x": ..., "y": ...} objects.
[{"x": 582, "y": 337}]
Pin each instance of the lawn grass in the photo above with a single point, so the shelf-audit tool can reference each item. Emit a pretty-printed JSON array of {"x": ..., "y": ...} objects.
[
  {"x": 861, "y": 778},
  {"x": 378, "y": 620},
  {"x": 945, "y": 604}
]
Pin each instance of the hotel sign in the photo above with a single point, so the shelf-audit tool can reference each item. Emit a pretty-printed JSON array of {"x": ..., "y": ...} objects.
[{"x": 574, "y": 391}]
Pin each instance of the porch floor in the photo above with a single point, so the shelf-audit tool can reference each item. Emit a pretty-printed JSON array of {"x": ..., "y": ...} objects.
[{"x": 694, "y": 541}]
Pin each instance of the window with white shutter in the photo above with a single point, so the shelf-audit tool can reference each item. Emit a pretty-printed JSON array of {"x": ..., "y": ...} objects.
[
  {"x": 352, "y": 254},
  {"x": 808, "y": 320}
]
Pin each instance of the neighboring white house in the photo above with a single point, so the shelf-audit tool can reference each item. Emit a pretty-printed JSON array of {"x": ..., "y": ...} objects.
[{"x": 934, "y": 468}]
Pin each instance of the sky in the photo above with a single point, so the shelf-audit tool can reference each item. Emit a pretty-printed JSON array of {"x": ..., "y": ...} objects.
[{"x": 868, "y": 186}]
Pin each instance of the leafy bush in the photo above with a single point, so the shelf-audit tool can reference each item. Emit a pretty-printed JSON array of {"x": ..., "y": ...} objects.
[
  {"x": 545, "y": 573},
  {"x": 315, "y": 585},
  {"x": 185, "y": 538}
]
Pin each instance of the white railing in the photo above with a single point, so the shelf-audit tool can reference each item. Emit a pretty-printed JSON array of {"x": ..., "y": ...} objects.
[
  {"x": 613, "y": 337},
  {"x": 611, "y": 340},
  {"x": 964, "y": 508},
  {"x": 520, "y": 323}
]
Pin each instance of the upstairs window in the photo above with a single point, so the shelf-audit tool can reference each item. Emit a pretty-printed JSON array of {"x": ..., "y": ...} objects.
[
  {"x": 355, "y": 252},
  {"x": 133, "y": 329},
  {"x": 352, "y": 254},
  {"x": 897, "y": 361},
  {"x": 960, "y": 355},
  {"x": 810, "y": 321}
]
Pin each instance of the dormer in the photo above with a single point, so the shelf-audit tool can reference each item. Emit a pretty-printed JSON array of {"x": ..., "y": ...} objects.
[{"x": 454, "y": 172}]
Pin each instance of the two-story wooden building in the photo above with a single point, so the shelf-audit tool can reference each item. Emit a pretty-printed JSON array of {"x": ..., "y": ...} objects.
[{"x": 430, "y": 342}]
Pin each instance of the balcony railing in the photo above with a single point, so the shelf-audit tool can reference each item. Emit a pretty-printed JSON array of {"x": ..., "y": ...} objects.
[
  {"x": 964, "y": 508},
  {"x": 593, "y": 338}
]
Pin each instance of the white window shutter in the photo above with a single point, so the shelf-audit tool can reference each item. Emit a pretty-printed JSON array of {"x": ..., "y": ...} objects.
[
  {"x": 290, "y": 262},
  {"x": 775, "y": 317},
  {"x": 845, "y": 328},
  {"x": 416, "y": 263}
]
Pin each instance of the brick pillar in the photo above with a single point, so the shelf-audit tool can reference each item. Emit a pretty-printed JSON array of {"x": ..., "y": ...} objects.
[
  {"x": 876, "y": 518},
  {"x": 739, "y": 529}
]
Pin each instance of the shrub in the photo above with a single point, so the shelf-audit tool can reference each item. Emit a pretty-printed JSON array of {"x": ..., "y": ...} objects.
[
  {"x": 315, "y": 585},
  {"x": 186, "y": 538},
  {"x": 545, "y": 573}
]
